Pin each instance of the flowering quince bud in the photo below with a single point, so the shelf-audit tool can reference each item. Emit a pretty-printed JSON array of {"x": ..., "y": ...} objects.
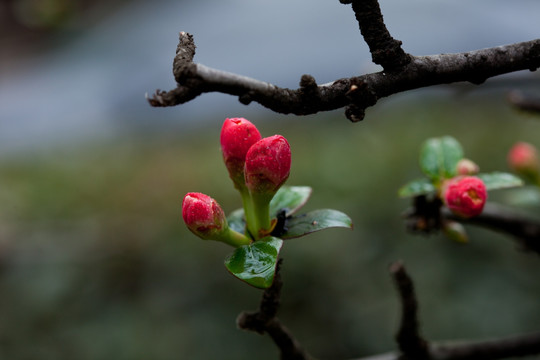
[
  {"x": 465, "y": 195},
  {"x": 203, "y": 215},
  {"x": 467, "y": 167},
  {"x": 268, "y": 164},
  {"x": 237, "y": 136},
  {"x": 523, "y": 158},
  {"x": 205, "y": 218}
]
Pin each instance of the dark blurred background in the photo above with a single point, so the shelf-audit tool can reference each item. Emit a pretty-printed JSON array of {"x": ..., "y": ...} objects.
[{"x": 95, "y": 262}]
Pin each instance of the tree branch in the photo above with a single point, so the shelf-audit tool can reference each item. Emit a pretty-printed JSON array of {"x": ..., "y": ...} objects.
[
  {"x": 264, "y": 320},
  {"x": 520, "y": 345},
  {"x": 385, "y": 50},
  {"x": 523, "y": 103},
  {"x": 357, "y": 93},
  {"x": 411, "y": 344},
  {"x": 524, "y": 229},
  {"x": 502, "y": 348},
  {"x": 427, "y": 216}
]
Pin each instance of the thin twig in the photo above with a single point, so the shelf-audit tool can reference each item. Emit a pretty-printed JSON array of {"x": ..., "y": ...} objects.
[
  {"x": 494, "y": 349},
  {"x": 264, "y": 320},
  {"x": 413, "y": 346},
  {"x": 527, "y": 104},
  {"x": 522, "y": 227},
  {"x": 385, "y": 50},
  {"x": 427, "y": 214},
  {"x": 410, "y": 342},
  {"x": 520, "y": 345}
]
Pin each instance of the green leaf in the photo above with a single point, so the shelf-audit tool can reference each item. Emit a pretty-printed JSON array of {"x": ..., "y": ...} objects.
[
  {"x": 500, "y": 180},
  {"x": 256, "y": 263},
  {"x": 417, "y": 187},
  {"x": 439, "y": 157},
  {"x": 291, "y": 198},
  {"x": 237, "y": 221},
  {"x": 314, "y": 221}
]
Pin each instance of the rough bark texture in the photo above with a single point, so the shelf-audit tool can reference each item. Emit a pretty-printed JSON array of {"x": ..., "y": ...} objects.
[{"x": 356, "y": 93}]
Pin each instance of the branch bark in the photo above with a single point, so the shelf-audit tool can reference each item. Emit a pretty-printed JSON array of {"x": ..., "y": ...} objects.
[
  {"x": 413, "y": 346},
  {"x": 523, "y": 103},
  {"x": 265, "y": 320},
  {"x": 410, "y": 342},
  {"x": 357, "y": 93},
  {"x": 427, "y": 216},
  {"x": 524, "y": 229},
  {"x": 385, "y": 50},
  {"x": 501, "y": 348}
]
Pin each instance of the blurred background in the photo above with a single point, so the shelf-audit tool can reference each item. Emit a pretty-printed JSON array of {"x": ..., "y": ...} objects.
[{"x": 95, "y": 262}]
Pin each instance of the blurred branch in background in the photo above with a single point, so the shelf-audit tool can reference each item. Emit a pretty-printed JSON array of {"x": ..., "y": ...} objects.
[
  {"x": 265, "y": 321},
  {"x": 411, "y": 343},
  {"x": 427, "y": 216},
  {"x": 413, "y": 346},
  {"x": 522, "y": 227},
  {"x": 524, "y": 103}
]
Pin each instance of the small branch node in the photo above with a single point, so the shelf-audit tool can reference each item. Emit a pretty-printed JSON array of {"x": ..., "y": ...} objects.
[
  {"x": 308, "y": 82},
  {"x": 355, "y": 113},
  {"x": 309, "y": 91},
  {"x": 361, "y": 97},
  {"x": 246, "y": 98},
  {"x": 425, "y": 215},
  {"x": 183, "y": 61}
]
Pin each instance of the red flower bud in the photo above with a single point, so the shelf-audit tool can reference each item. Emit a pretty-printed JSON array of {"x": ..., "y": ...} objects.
[
  {"x": 203, "y": 216},
  {"x": 268, "y": 164},
  {"x": 237, "y": 136},
  {"x": 467, "y": 167},
  {"x": 465, "y": 195},
  {"x": 523, "y": 158}
]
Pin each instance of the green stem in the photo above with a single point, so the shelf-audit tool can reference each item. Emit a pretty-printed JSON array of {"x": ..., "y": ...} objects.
[
  {"x": 249, "y": 213},
  {"x": 261, "y": 209},
  {"x": 234, "y": 238}
]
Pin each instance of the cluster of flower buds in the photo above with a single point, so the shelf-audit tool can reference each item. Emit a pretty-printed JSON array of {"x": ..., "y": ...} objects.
[
  {"x": 523, "y": 158},
  {"x": 465, "y": 196},
  {"x": 258, "y": 167}
]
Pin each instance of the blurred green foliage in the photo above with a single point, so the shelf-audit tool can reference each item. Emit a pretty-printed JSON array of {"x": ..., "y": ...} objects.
[{"x": 95, "y": 262}]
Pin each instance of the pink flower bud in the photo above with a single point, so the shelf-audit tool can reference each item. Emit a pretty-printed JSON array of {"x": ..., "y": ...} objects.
[
  {"x": 465, "y": 195},
  {"x": 203, "y": 216},
  {"x": 237, "y": 136},
  {"x": 523, "y": 158},
  {"x": 467, "y": 167},
  {"x": 268, "y": 164}
]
